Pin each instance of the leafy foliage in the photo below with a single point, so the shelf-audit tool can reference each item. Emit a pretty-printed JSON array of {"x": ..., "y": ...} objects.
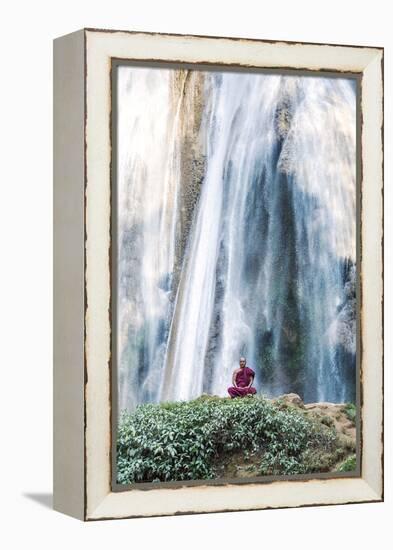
[
  {"x": 350, "y": 411},
  {"x": 185, "y": 440},
  {"x": 348, "y": 465}
]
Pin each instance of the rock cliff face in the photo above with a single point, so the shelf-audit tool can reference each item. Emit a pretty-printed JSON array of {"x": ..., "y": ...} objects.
[
  {"x": 188, "y": 92},
  {"x": 337, "y": 415}
]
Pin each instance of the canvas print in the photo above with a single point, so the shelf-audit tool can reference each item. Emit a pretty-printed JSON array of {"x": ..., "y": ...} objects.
[{"x": 235, "y": 274}]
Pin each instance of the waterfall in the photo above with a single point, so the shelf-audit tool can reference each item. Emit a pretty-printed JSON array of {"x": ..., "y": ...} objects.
[
  {"x": 147, "y": 205},
  {"x": 269, "y": 266}
]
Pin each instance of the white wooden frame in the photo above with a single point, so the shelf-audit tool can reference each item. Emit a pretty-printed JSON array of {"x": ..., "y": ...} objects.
[{"x": 82, "y": 150}]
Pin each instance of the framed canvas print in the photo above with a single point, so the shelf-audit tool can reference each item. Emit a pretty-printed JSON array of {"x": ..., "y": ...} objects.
[{"x": 218, "y": 274}]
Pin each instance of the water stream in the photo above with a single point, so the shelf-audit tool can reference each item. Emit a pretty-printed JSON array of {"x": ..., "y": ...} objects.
[{"x": 268, "y": 268}]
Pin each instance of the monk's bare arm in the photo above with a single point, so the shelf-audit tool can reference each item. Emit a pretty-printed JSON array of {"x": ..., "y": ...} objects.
[{"x": 234, "y": 377}]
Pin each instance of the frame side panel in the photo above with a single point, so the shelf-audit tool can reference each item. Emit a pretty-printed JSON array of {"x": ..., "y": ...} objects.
[
  {"x": 68, "y": 242},
  {"x": 372, "y": 275}
]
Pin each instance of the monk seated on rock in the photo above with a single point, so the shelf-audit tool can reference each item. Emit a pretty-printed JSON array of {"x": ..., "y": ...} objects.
[{"x": 242, "y": 380}]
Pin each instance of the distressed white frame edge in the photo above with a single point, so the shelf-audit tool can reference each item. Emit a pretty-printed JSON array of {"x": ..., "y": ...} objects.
[
  {"x": 100, "y": 501},
  {"x": 69, "y": 282}
]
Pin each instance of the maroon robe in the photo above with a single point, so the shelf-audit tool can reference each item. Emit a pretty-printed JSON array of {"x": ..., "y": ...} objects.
[{"x": 243, "y": 378}]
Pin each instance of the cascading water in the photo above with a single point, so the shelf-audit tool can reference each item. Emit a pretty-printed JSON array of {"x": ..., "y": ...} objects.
[
  {"x": 268, "y": 269},
  {"x": 149, "y": 172}
]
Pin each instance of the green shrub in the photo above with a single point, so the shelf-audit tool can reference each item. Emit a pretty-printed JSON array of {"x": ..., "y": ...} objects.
[
  {"x": 348, "y": 465},
  {"x": 350, "y": 411},
  {"x": 185, "y": 440}
]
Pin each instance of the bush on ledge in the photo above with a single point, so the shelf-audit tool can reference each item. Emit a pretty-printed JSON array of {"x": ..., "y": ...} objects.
[{"x": 201, "y": 439}]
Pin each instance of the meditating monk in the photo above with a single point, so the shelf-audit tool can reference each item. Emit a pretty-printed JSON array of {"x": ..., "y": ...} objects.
[{"x": 242, "y": 380}]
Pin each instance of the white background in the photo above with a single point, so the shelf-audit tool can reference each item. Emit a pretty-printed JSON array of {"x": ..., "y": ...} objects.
[{"x": 28, "y": 28}]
